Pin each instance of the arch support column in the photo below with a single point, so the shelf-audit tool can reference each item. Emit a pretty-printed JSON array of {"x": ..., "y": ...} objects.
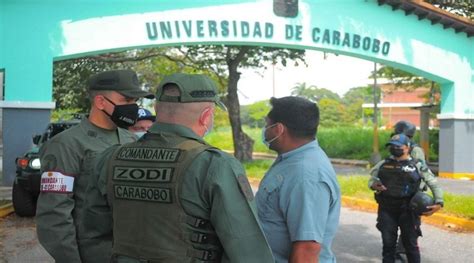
[{"x": 456, "y": 151}]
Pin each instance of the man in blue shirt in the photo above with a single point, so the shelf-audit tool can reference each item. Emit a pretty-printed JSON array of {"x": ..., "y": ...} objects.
[{"x": 298, "y": 200}]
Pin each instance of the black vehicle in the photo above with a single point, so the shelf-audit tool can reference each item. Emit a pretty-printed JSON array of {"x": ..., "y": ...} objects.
[{"x": 26, "y": 186}]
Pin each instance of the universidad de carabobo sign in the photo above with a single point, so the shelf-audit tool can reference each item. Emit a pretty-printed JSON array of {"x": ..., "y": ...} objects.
[{"x": 170, "y": 30}]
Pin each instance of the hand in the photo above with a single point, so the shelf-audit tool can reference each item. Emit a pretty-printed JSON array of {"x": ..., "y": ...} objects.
[
  {"x": 432, "y": 209},
  {"x": 378, "y": 186}
]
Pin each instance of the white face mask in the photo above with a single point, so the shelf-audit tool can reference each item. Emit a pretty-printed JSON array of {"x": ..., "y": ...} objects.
[
  {"x": 139, "y": 134},
  {"x": 264, "y": 139}
]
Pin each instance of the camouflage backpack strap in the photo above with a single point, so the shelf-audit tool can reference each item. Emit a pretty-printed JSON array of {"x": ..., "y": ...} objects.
[
  {"x": 193, "y": 149},
  {"x": 242, "y": 180},
  {"x": 115, "y": 149}
]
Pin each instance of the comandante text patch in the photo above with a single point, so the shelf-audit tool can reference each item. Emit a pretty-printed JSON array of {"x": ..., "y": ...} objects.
[
  {"x": 140, "y": 193},
  {"x": 143, "y": 174},
  {"x": 148, "y": 154}
]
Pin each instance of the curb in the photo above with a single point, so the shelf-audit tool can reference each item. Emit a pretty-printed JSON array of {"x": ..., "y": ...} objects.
[
  {"x": 262, "y": 155},
  {"x": 437, "y": 219},
  {"x": 457, "y": 176},
  {"x": 5, "y": 210}
]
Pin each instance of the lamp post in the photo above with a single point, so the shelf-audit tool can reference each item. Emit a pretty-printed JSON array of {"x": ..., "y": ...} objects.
[{"x": 375, "y": 157}]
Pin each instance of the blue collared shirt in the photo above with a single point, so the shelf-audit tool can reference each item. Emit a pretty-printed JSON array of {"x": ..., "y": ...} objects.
[{"x": 299, "y": 199}]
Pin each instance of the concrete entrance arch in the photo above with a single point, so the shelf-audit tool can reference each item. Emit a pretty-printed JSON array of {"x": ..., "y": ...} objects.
[{"x": 33, "y": 35}]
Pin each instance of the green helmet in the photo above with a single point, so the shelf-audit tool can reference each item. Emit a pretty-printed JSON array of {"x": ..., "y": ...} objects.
[{"x": 420, "y": 201}]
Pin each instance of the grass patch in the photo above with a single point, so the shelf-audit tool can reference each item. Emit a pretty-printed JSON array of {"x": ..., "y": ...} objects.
[
  {"x": 356, "y": 186},
  {"x": 459, "y": 205},
  {"x": 4, "y": 202},
  {"x": 257, "y": 169},
  {"x": 340, "y": 142}
]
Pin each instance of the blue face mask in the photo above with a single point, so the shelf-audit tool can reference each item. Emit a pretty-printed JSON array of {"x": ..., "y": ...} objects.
[{"x": 264, "y": 139}]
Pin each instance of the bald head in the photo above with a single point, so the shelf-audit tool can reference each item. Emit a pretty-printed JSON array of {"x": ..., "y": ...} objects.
[{"x": 193, "y": 115}]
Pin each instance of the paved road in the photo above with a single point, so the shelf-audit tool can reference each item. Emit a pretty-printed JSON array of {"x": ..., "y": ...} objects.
[{"x": 357, "y": 241}]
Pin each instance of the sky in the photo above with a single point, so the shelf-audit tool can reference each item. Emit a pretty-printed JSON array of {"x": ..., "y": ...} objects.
[{"x": 336, "y": 73}]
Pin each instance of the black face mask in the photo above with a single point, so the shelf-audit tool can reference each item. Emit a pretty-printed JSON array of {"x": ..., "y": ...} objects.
[
  {"x": 124, "y": 116},
  {"x": 395, "y": 151}
]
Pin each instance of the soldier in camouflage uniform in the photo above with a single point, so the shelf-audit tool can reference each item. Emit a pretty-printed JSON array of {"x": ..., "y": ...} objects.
[
  {"x": 67, "y": 163},
  {"x": 174, "y": 198},
  {"x": 417, "y": 153},
  {"x": 395, "y": 181}
]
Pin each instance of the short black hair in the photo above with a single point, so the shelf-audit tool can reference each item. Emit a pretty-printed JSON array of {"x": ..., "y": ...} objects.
[{"x": 299, "y": 115}]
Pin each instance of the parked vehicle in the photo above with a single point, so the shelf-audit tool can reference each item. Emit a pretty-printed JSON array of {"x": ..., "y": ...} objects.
[{"x": 27, "y": 181}]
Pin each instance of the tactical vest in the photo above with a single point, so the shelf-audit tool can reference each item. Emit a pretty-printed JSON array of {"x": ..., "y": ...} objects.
[
  {"x": 150, "y": 224},
  {"x": 402, "y": 180}
]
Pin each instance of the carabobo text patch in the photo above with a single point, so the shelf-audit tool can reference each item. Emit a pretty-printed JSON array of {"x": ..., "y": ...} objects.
[
  {"x": 148, "y": 154},
  {"x": 141, "y": 193},
  {"x": 143, "y": 174},
  {"x": 56, "y": 182}
]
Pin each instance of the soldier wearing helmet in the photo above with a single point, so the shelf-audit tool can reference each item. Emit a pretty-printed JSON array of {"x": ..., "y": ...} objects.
[
  {"x": 407, "y": 128},
  {"x": 396, "y": 181}
]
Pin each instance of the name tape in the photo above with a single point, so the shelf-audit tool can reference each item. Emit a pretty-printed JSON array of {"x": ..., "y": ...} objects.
[
  {"x": 148, "y": 154},
  {"x": 162, "y": 175},
  {"x": 140, "y": 193}
]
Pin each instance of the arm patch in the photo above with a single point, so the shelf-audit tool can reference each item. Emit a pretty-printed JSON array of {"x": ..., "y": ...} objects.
[{"x": 56, "y": 182}]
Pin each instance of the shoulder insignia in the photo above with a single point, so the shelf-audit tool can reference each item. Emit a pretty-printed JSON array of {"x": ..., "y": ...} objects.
[
  {"x": 92, "y": 133},
  {"x": 49, "y": 162}
]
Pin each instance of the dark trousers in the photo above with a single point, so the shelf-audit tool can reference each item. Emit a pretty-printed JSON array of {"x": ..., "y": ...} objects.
[{"x": 388, "y": 222}]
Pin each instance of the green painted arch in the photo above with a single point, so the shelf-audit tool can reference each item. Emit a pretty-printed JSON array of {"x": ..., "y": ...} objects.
[{"x": 34, "y": 34}]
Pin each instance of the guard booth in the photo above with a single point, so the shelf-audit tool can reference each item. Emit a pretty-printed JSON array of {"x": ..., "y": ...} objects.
[{"x": 409, "y": 35}]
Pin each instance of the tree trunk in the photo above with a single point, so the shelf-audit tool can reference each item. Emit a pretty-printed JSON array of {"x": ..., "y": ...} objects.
[{"x": 243, "y": 144}]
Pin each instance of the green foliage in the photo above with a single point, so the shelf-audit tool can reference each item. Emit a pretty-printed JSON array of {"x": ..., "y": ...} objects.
[
  {"x": 313, "y": 93},
  {"x": 332, "y": 113},
  {"x": 407, "y": 81},
  {"x": 460, "y": 205},
  {"x": 253, "y": 115},
  {"x": 221, "y": 119},
  {"x": 351, "y": 142},
  {"x": 64, "y": 114},
  {"x": 355, "y": 186},
  {"x": 221, "y": 137},
  {"x": 70, "y": 81},
  {"x": 338, "y": 142},
  {"x": 461, "y": 8},
  {"x": 257, "y": 168}
]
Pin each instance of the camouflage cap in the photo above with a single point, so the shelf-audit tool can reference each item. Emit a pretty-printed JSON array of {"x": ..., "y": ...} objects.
[
  {"x": 123, "y": 81},
  {"x": 192, "y": 87}
]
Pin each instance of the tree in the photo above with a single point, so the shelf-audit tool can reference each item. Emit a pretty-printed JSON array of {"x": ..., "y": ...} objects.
[
  {"x": 313, "y": 93},
  {"x": 257, "y": 112},
  {"x": 332, "y": 113},
  {"x": 409, "y": 82},
  {"x": 353, "y": 100},
  {"x": 461, "y": 8},
  {"x": 222, "y": 63}
]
